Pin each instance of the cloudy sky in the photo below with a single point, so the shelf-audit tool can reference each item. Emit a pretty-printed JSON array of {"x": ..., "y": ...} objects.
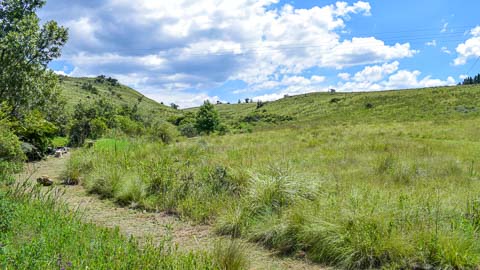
[{"x": 187, "y": 51}]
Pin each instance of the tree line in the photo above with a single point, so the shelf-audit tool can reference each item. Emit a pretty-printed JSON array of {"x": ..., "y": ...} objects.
[{"x": 471, "y": 80}]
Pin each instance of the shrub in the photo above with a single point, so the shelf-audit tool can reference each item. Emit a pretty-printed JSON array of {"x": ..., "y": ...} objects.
[
  {"x": 10, "y": 149},
  {"x": 163, "y": 131},
  {"x": 188, "y": 130},
  {"x": 37, "y": 132},
  {"x": 207, "y": 119}
]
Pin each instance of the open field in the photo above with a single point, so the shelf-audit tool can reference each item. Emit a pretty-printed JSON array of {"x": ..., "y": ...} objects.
[{"x": 392, "y": 191}]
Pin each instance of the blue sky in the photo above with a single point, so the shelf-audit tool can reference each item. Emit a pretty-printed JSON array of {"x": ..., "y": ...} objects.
[{"x": 189, "y": 51}]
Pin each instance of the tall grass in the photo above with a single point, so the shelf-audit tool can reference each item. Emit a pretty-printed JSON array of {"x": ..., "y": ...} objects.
[
  {"x": 392, "y": 195},
  {"x": 36, "y": 232}
]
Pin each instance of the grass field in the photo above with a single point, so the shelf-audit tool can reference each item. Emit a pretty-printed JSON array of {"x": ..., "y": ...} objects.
[
  {"x": 119, "y": 95},
  {"x": 393, "y": 185}
]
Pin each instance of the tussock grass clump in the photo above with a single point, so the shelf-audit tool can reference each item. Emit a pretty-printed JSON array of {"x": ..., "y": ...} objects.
[{"x": 230, "y": 255}]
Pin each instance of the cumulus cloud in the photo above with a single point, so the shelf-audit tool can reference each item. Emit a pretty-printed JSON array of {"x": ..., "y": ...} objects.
[
  {"x": 344, "y": 76},
  {"x": 470, "y": 48},
  {"x": 376, "y": 73},
  {"x": 388, "y": 77},
  {"x": 176, "y": 46}
]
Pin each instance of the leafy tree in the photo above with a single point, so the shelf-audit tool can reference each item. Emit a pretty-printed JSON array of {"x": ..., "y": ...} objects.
[
  {"x": 207, "y": 118},
  {"x": 92, "y": 121},
  {"x": 26, "y": 48},
  {"x": 174, "y": 106}
]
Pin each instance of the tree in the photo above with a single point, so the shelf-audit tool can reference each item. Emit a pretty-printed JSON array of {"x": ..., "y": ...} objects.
[
  {"x": 26, "y": 48},
  {"x": 174, "y": 106},
  {"x": 207, "y": 118}
]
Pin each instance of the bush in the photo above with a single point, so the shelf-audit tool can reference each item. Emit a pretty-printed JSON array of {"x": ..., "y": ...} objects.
[
  {"x": 207, "y": 119},
  {"x": 163, "y": 131},
  {"x": 188, "y": 130},
  {"x": 37, "y": 132},
  {"x": 10, "y": 146}
]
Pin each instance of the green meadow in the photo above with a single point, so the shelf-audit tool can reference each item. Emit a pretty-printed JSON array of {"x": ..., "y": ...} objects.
[{"x": 355, "y": 181}]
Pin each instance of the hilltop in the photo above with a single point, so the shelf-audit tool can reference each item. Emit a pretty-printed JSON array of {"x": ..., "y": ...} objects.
[
  {"x": 439, "y": 103},
  {"x": 77, "y": 90}
]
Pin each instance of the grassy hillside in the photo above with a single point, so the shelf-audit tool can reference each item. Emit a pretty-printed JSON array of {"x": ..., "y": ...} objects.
[
  {"x": 441, "y": 103},
  {"x": 357, "y": 181},
  {"x": 78, "y": 90}
]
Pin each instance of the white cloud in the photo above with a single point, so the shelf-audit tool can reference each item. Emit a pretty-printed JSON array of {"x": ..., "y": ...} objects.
[
  {"x": 475, "y": 31},
  {"x": 444, "y": 28},
  {"x": 446, "y": 50},
  {"x": 376, "y": 73},
  {"x": 182, "y": 98},
  {"x": 469, "y": 49},
  {"x": 344, "y": 76},
  {"x": 432, "y": 43},
  {"x": 401, "y": 79},
  {"x": 183, "y": 44}
]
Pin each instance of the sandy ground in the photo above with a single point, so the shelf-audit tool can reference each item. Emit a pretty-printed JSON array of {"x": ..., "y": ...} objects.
[{"x": 149, "y": 226}]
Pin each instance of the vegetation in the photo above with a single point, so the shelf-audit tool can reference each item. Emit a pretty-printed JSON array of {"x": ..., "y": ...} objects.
[
  {"x": 30, "y": 106},
  {"x": 399, "y": 190},
  {"x": 91, "y": 90},
  {"x": 38, "y": 232},
  {"x": 470, "y": 80}
]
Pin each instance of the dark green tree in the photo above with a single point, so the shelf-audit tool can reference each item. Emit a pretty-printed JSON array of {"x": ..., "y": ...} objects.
[
  {"x": 207, "y": 119},
  {"x": 26, "y": 48}
]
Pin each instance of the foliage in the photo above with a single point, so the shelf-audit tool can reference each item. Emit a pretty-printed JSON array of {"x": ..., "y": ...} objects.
[
  {"x": 37, "y": 131},
  {"x": 263, "y": 116},
  {"x": 470, "y": 80},
  {"x": 164, "y": 131},
  {"x": 26, "y": 49},
  {"x": 207, "y": 119},
  {"x": 59, "y": 142},
  {"x": 9, "y": 145},
  {"x": 90, "y": 88},
  {"x": 27, "y": 88}
]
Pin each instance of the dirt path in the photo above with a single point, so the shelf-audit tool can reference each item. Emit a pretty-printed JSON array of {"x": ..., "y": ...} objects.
[{"x": 154, "y": 226}]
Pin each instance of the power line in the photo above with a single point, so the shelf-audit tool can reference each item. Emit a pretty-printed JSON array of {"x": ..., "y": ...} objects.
[
  {"x": 285, "y": 45},
  {"x": 474, "y": 64}
]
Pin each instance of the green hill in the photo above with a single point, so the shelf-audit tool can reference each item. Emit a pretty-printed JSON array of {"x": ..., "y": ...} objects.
[
  {"x": 77, "y": 90},
  {"x": 440, "y": 103}
]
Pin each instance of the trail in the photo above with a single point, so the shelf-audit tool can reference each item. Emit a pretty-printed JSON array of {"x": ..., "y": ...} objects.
[{"x": 150, "y": 226}]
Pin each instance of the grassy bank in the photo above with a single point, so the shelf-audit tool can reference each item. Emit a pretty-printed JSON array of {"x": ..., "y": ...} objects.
[
  {"x": 396, "y": 195},
  {"x": 36, "y": 232}
]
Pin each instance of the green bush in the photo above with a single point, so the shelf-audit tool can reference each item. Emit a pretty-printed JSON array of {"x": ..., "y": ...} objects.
[
  {"x": 10, "y": 146},
  {"x": 37, "y": 132},
  {"x": 163, "y": 131}
]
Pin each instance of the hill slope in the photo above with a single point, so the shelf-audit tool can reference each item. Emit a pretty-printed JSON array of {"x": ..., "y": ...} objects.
[
  {"x": 90, "y": 89},
  {"x": 440, "y": 103}
]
